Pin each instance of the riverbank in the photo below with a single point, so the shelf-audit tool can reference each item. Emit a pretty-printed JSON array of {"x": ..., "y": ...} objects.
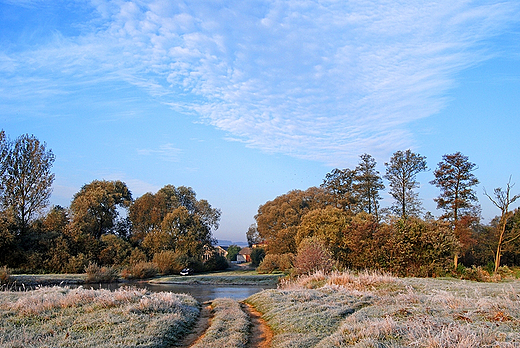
[{"x": 234, "y": 277}]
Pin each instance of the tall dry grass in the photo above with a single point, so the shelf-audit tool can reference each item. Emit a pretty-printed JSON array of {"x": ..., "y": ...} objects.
[
  {"x": 64, "y": 317},
  {"x": 384, "y": 311}
]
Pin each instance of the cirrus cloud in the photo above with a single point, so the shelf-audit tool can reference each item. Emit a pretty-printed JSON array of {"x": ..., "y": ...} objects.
[{"x": 324, "y": 80}]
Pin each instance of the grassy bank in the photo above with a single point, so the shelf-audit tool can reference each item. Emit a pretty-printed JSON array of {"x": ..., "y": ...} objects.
[
  {"x": 62, "y": 317},
  {"x": 373, "y": 310},
  {"x": 237, "y": 277}
]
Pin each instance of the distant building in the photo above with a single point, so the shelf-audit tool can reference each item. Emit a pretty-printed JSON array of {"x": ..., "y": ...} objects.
[{"x": 244, "y": 255}]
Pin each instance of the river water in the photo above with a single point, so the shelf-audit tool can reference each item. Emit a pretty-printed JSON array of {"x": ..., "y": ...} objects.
[{"x": 201, "y": 292}]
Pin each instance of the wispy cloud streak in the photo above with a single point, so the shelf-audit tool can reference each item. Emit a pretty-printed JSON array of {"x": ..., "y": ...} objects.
[{"x": 325, "y": 81}]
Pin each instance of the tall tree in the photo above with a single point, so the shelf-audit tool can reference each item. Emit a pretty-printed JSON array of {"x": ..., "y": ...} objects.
[
  {"x": 26, "y": 178},
  {"x": 339, "y": 185},
  {"x": 148, "y": 211},
  {"x": 367, "y": 184},
  {"x": 455, "y": 179},
  {"x": 252, "y": 235},
  {"x": 278, "y": 220},
  {"x": 401, "y": 172},
  {"x": 503, "y": 200},
  {"x": 95, "y": 208}
]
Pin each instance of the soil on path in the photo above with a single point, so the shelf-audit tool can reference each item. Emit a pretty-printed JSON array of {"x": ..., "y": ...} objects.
[
  {"x": 259, "y": 337},
  {"x": 199, "y": 329},
  {"x": 261, "y": 334}
]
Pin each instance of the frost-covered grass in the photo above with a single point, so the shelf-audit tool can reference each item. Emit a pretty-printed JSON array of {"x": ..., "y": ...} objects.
[
  {"x": 229, "y": 326},
  {"x": 377, "y": 310},
  {"x": 63, "y": 317}
]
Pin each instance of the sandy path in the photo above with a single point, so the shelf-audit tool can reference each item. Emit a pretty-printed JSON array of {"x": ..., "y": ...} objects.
[{"x": 261, "y": 335}]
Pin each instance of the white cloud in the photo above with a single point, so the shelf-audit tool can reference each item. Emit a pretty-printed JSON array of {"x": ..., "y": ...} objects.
[
  {"x": 318, "y": 80},
  {"x": 166, "y": 152}
]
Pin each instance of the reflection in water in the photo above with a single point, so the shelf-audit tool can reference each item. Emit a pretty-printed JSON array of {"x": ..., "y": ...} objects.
[{"x": 201, "y": 292}]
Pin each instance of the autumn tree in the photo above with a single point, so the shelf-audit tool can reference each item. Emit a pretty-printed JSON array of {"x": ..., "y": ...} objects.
[
  {"x": 502, "y": 200},
  {"x": 367, "y": 185},
  {"x": 454, "y": 177},
  {"x": 95, "y": 208},
  {"x": 401, "y": 172},
  {"x": 148, "y": 211},
  {"x": 278, "y": 220},
  {"x": 339, "y": 185},
  {"x": 328, "y": 225},
  {"x": 26, "y": 178}
]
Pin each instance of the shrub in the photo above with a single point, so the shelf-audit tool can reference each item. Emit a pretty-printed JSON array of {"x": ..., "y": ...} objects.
[
  {"x": 4, "y": 275},
  {"x": 312, "y": 256},
  {"x": 96, "y": 274},
  {"x": 136, "y": 256},
  {"x": 76, "y": 264},
  {"x": 141, "y": 270},
  {"x": 257, "y": 255},
  {"x": 216, "y": 263},
  {"x": 167, "y": 262},
  {"x": 276, "y": 262}
]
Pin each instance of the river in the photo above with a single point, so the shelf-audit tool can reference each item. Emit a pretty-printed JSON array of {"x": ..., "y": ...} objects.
[{"x": 201, "y": 292}]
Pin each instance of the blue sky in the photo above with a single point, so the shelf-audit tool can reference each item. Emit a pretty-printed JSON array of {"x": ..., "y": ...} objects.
[{"x": 246, "y": 100}]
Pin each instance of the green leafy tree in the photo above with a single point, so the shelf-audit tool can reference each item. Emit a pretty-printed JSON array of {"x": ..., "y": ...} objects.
[
  {"x": 26, "y": 179},
  {"x": 339, "y": 185},
  {"x": 257, "y": 256},
  {"x": 232, "y": 252},
  {"x": 95, "y": 208},
  {"x": 454, "y": 177},
  {"x": 367, "y": 185},
  {"x": 401, "y": 172}
]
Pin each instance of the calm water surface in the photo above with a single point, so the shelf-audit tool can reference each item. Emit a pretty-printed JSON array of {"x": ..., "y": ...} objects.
[{"x": 201, "y": 292}]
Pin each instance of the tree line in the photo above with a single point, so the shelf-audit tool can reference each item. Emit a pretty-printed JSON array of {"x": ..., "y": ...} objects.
[
  {"x": 343, "y": 217},
  {"x": 104, "y": 226}
]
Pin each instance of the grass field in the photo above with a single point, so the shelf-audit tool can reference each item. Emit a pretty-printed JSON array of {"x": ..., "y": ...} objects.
[
  {"x": 63, "y": 317},
  {"x": 373, "y": 310}
]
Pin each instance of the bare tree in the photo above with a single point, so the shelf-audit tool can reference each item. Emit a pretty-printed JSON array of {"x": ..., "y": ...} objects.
[{"x": 503, "y": 200}]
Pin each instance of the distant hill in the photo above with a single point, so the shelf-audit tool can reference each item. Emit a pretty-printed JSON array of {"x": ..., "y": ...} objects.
[{"x": 225, "y": 242}]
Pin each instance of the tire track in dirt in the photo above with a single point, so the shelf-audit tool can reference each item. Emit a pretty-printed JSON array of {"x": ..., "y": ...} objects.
[
  {"x": 197, "y": 332},
  {"x": 261, "y": 334}
]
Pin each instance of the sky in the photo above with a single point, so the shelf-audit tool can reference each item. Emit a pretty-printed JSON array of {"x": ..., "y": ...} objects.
[{"x": 246, "y": 100}]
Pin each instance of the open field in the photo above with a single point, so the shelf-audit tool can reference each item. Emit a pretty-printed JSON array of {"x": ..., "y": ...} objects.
[
  {"x": 63, "y": 317},
  {"x": 370, "y": 310},
  {"x": 335, "y": 310}
]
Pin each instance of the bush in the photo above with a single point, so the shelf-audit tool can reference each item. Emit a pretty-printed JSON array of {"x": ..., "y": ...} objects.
[
  {"x": 167, "y": 262},
  {"x": 5, "y": 275},
  {"x": 216, "y": 263},
  {"x": 140, "y": 270},
  {"x": 276, "y": 262},
  {"x": 312, "y": 256},
  {"x": 257, "y": 255},
  {"x": 96, "y": 274}
]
